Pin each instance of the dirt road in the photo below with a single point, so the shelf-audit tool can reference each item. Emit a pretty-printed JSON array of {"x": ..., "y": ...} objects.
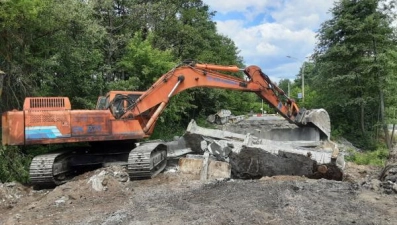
[{"x": 174, "y": 198}]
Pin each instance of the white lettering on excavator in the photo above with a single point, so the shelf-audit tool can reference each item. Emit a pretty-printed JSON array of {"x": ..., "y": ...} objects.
[{"x": 216, "y": 79}]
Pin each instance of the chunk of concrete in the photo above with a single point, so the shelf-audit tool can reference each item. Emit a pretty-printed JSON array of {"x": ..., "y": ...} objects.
[
  {"x": 195, "y": 166},
  {"x": 220, "y": 149},
  {"x": 177, "y": 148}
]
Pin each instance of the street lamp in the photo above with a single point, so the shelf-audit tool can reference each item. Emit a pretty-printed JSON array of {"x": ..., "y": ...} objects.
[{"x": 302, "y": 76}]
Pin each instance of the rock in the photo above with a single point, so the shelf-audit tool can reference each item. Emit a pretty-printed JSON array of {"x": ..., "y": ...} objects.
[
  {"x": 104, "y": 181},
  {"x": 392, "y": 178},
  {"x": 97, "y": 180},
  {"x": 18, "y": 216},
  {"x": 203, "y": 145},
  {"x": 121, "y": 176},
  {"x": 61, "y": 201},
  {"x": 394, "y": 187},
  {"x": 11, "y": 184},
  {"x": 375, "y": 184}
]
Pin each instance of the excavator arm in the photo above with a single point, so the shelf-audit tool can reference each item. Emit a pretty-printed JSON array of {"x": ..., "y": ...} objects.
[{"x": 206, "y": 75}]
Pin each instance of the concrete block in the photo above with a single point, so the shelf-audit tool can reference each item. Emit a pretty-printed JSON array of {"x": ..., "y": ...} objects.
[{"x": 194, "y": 166}]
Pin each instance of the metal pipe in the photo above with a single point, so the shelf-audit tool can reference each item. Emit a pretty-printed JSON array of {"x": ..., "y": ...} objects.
[
  {"x": 154, "y": 117},
  {"x": 156, "y": 114},
  {"x": 217, "y": 67},
  {"x": 180, "y": 79}
]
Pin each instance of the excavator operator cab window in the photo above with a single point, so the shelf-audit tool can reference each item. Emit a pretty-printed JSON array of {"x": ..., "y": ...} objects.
[{"x": 103, "y": 103}]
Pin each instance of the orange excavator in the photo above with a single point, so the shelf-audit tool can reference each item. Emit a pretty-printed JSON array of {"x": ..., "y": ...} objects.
[{"x": 121, "y": 117}]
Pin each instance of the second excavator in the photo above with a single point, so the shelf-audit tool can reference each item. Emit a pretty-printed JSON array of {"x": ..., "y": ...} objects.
[{"x": 122, "y": 117}]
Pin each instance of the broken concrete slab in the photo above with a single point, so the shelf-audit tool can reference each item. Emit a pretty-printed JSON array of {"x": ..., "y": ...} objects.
[
  {"x": 177, "y": 148},
  {"x": 273, "y": 128},
  {"x": 193, "y": 128},
  {"x": 251, "y": 157},
  {"x": 198, "y": 166}
]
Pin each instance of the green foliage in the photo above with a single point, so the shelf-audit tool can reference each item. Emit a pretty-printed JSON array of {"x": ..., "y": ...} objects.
[
  {"x": 14, "y": 164},
  {"x": 352, "y": 67},
  {"x": 377, "y": 157},
  {"x": 144, "y": 64},
  {"x": 202, "y": 122},
  {"x": 285, "y": 85},
  {"x": 14, "y": 13}
]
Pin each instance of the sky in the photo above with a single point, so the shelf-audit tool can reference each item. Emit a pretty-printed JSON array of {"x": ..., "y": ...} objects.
[{"x": 267, "y": 31}]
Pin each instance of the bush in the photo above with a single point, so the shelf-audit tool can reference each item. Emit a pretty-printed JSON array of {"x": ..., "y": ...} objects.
[
  {"x": 14, "y": 164},
  {"x": 377, "y": 157}
]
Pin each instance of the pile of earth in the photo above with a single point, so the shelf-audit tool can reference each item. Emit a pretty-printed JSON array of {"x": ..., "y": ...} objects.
[{"x": 105, "y": 196}]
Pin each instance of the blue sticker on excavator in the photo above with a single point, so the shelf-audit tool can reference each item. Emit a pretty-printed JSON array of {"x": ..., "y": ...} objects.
[{"x": 43, "y": 132}]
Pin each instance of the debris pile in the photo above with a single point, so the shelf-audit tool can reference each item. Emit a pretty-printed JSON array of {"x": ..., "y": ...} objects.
[
  {"x": 10, "y": 193},
  {"x": 251, "y": 156},
  {"x": 388, "y": 179}
]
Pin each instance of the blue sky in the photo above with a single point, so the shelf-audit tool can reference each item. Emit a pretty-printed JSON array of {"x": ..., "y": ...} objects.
[{"x": 266, "y": 31}]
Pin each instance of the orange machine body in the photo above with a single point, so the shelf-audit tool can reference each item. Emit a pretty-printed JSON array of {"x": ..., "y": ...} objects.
[
  {"x": 128, "y": 115},
  {"x": 47, "y": 120}
]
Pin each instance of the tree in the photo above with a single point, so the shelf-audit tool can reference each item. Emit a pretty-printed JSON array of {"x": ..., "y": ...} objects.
[
  {"x": 17, "y": 22},
  {"x": 144, "y": 64},
  {"x": 349, "y": 63},
  {"x": 285, "y": 85}
]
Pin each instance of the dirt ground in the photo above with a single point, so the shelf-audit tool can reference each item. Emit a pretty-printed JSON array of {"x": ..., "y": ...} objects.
[{"x": 105, "y": 196}]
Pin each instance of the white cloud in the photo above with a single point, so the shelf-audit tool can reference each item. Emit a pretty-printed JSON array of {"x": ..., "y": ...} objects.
[
  {"x": 297, "y": 14},
  {"x": 291, "y": 30},
  {"x": 262, "y": 43}
]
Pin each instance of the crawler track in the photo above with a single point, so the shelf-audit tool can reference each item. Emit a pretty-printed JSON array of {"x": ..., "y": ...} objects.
[
  {"x": 144, "y": 161},
  {"x": 147, "y": 160},
  {"x": 49, "y": 169}
]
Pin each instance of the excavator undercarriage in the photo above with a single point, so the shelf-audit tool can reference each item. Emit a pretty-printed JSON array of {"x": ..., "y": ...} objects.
[{"x": 142, "y": 162}]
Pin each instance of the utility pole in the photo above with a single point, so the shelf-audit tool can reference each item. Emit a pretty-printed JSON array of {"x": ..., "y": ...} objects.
[
  {"x": 289, "y": 88},
  {"x": 303, "y": 81}
]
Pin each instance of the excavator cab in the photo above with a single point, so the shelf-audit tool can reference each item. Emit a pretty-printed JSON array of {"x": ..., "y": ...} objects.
[{"x": 118, "y": 101}]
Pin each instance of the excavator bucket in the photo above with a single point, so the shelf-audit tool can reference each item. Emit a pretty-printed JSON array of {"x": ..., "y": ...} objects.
[{"x": 318, "y": 118}]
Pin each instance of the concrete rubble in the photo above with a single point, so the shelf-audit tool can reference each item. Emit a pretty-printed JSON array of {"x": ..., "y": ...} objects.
[
  {"x": 274, "y": 148},
  {"x": 224, "y": 116}
]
